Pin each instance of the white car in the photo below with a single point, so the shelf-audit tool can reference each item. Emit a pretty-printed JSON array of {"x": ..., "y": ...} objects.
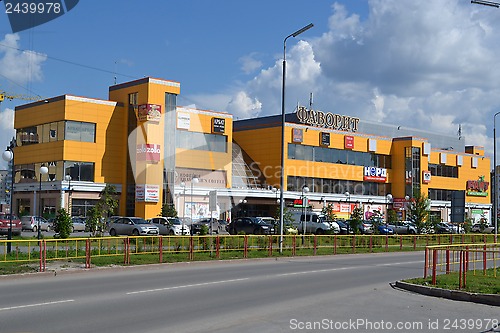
[{"x": 170, "y": 226}]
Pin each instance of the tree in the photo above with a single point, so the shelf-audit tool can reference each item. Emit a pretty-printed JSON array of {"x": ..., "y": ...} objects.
[
  {"x": 105, "y": 207},
  {"x": 329, "y": 212},
  {"x": 168, "y": 210},
  {"x": 356, "y": 219},
  {"x": 418, "y": 211},
  {"x": 62, "y": 224},
  {"x": 287, "y": 220}
]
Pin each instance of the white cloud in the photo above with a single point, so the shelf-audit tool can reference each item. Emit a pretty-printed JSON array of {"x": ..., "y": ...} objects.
[
  {"x": 19, "y": 67},
  {"x": 6, "y": 132},
  {"x": 249, "y": 64},
  {"x": 428, "y": 65},
  {"x": 243, "y": 106}
]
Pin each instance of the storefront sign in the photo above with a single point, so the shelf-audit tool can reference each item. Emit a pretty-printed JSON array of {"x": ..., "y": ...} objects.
[
  {"x": 148, "y": 152},
  {"x": 373, "y": 174},
  {"x": 349, "y": 142},
  {"x": 477, "y": 188},
  {"x": 324, "y": 139},
  {"x": 147, "y": 193},
  {"x": 183, "y": 120},
  {"x": 218, "y": 125},
  {"x": 327, "y": 119},
  {"x": 426, "y": 177},
  {"x": 149, "y": 112},
  {"x": 297, "y": 135},
  {"x": 206, "y": 178}
]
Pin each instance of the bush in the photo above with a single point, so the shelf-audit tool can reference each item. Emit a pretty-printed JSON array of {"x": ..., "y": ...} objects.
[{"x": 62, "y": 224}]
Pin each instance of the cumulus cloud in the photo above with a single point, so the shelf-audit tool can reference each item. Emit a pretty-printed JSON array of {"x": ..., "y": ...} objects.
[
  {"x": 429, "y": 65},
  {"x": 249, "y": 64},
  {"x": 19, "y": 67},
  {"x": 6, "y": 131}
]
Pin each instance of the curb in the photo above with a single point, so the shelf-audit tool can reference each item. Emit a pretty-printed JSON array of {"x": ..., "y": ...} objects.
[{"x": 488, "y": 299}]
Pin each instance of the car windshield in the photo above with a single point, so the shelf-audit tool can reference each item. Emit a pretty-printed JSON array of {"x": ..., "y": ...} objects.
[{"x": 139, "y": 221}]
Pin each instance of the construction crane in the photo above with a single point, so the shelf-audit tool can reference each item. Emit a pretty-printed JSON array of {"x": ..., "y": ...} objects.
[{"x": 4, "y": 95}]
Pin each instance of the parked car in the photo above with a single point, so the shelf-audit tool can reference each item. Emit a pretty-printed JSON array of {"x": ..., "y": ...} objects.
[
  {"x": 477, "y": 227},
  {"x": 343, "y": 228},
  {"x": 250, "y": 225},
  {"x": 5, "y": 224},
  {"x": 385, "y": 229},
  {"x": 443, "y": 228},
  {"x": 455, "y": 228},
  {"x": 403, "y": 227},
  {"x": 288, "y": 229},
  {"x": 212, "y": 225},
  {"x": 315, "y": 223},
  {"x": 32, "y": 223},
  {"x": 170, "y": 226},
  {"x": 135, "y": 226},
  {"x": 78, "y": 224}
]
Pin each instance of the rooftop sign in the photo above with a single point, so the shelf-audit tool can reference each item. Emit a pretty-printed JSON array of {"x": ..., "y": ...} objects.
[{"x": 327, "y": 120}]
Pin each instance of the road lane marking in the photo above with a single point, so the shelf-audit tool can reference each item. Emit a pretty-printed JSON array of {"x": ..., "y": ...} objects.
[
  {"x": 35, "y": 305},
  {"x": 400, "y": 263},
  {"x": 185, "y": 286}
]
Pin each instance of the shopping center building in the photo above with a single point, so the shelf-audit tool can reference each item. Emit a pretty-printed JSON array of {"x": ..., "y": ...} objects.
[{"x": 206, "y": 164}]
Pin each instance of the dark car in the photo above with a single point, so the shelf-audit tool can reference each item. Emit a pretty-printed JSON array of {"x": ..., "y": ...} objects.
[
  {"x": 5, "y": 220},
  {"x": 344, "y": 228},
  {"x": 213, "y": 226},
  {"x": 443, "y": 228},
  {"x": 250, "y": 225},
  {"x": 385, "y": 230}
]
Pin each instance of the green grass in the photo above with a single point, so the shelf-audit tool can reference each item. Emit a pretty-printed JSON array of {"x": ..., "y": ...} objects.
[{"x": 475, "y": 283}]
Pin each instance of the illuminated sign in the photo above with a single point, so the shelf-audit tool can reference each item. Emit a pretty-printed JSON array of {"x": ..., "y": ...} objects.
[
  {"x": 218, "y": 125},
  {"x": 324, "y": 139},
  {"x": 374, "y": 174},
  {"x": 297, "y": 135},
  {"x": 426, "y": 177},
  {"x": 327, "y": 119},
  {"x": 477, "y": 188},
  {"x": 149, "y": 112},
  {"x": 349, "y": 142},
  {"x": 148, "y": 152}
]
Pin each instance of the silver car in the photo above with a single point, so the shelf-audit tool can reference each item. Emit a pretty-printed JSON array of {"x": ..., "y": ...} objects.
[
  {"x": 32, "y": 223},
  {"x": 170, "y": 226},
  {"x": 132, "y": 226}
]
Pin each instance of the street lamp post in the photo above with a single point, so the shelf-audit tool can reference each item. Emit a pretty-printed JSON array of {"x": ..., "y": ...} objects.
[
  {"x": 194, "y": 180},
  {"x": 43, "y": 171},
  {"x": 68, "y": 179},
  {"x": 183, "y": 185},
  {"x": 495, "y": 186},
  {"x": 388, "y": 200},
  {"x": 282, "y": 176},
  {"x": 305, "y": 190},
  {"x": 8, "y": 156}
]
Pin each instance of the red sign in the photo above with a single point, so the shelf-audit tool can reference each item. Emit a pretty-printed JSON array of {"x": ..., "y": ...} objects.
[
  {"x": 426, "y": 177},
  {"x": 348, "y": 142},
  {"x": 149, "y": 112},
  {"x": 148, "y": 152}
]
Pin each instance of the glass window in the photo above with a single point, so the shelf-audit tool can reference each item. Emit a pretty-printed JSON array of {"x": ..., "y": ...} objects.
[
  {"x": 79, "y": 131},
  {"x": 79, "y": 171}
]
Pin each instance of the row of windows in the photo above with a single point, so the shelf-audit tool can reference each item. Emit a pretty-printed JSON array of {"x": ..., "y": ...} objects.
[
  {"x": 201, "y": 141},
  {"x": 438, "y": 194},
  {"x": 443, "y": 170},
  {"x": 56, "y": 131},
  {"x": 339, "y": 156},
  {"x": 79, "y": 171},
  {"x": 324, "y": 185}
]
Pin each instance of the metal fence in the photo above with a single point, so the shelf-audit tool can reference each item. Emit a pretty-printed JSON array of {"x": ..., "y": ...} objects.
[
  {"x": 136, "y": 249},
  {"x": 464, "y": 259}
]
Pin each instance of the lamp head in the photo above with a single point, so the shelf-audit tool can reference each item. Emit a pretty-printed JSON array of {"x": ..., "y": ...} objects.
[
  {"x": 44, "y": 170},
  {"x": 67, "y": 178},
  {"x": 195, "y": 180},
  {"x": 7, "y": 156}
]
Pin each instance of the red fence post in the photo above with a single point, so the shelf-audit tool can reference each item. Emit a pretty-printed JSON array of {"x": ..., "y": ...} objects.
[
  {"x": 460, "y": 265},
  {"x": 371, "y": 243},
  {"x": 217, "y": 247},
  {"x": 270, "y": 250},
  {"x": 414, "y": 242},
  {"x": 466, "y": 265},
  {"x": 245, "y": 247},
  {"x": 87, "y": 253},
  {"x": 386, "y": 243},
  {"x": 400, "y": 242},
  {"x": 315, "y": 244},
  {"x": 294, "y": 245},
  {"x": 191, "y": 248},
  {"x": 434, "y": 266},
  {"x": 353, "y": 244}
]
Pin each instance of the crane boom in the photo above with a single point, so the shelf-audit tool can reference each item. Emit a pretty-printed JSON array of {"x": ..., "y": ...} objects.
[{"x": 10, "y": 97}]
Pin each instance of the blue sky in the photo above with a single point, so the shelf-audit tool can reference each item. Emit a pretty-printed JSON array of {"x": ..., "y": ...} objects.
[{"x": 430, "y": 65}]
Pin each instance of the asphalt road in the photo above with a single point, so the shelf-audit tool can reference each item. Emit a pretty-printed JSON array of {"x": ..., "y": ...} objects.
[{"x": 340, "y": 293}]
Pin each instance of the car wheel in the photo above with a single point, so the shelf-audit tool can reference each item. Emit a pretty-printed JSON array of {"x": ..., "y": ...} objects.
[
  {"x": 48, "y": 228},
  {"x": 112, "y": 232},
  {"x": 320, "y": 232},
  {"x": 171, "y": 233},
  {"x": 72, "y": 229},
  {"x": 34, "y": 228},
  {"x": 412, "y": 232},
  {"x": 135, "y": 232}
]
